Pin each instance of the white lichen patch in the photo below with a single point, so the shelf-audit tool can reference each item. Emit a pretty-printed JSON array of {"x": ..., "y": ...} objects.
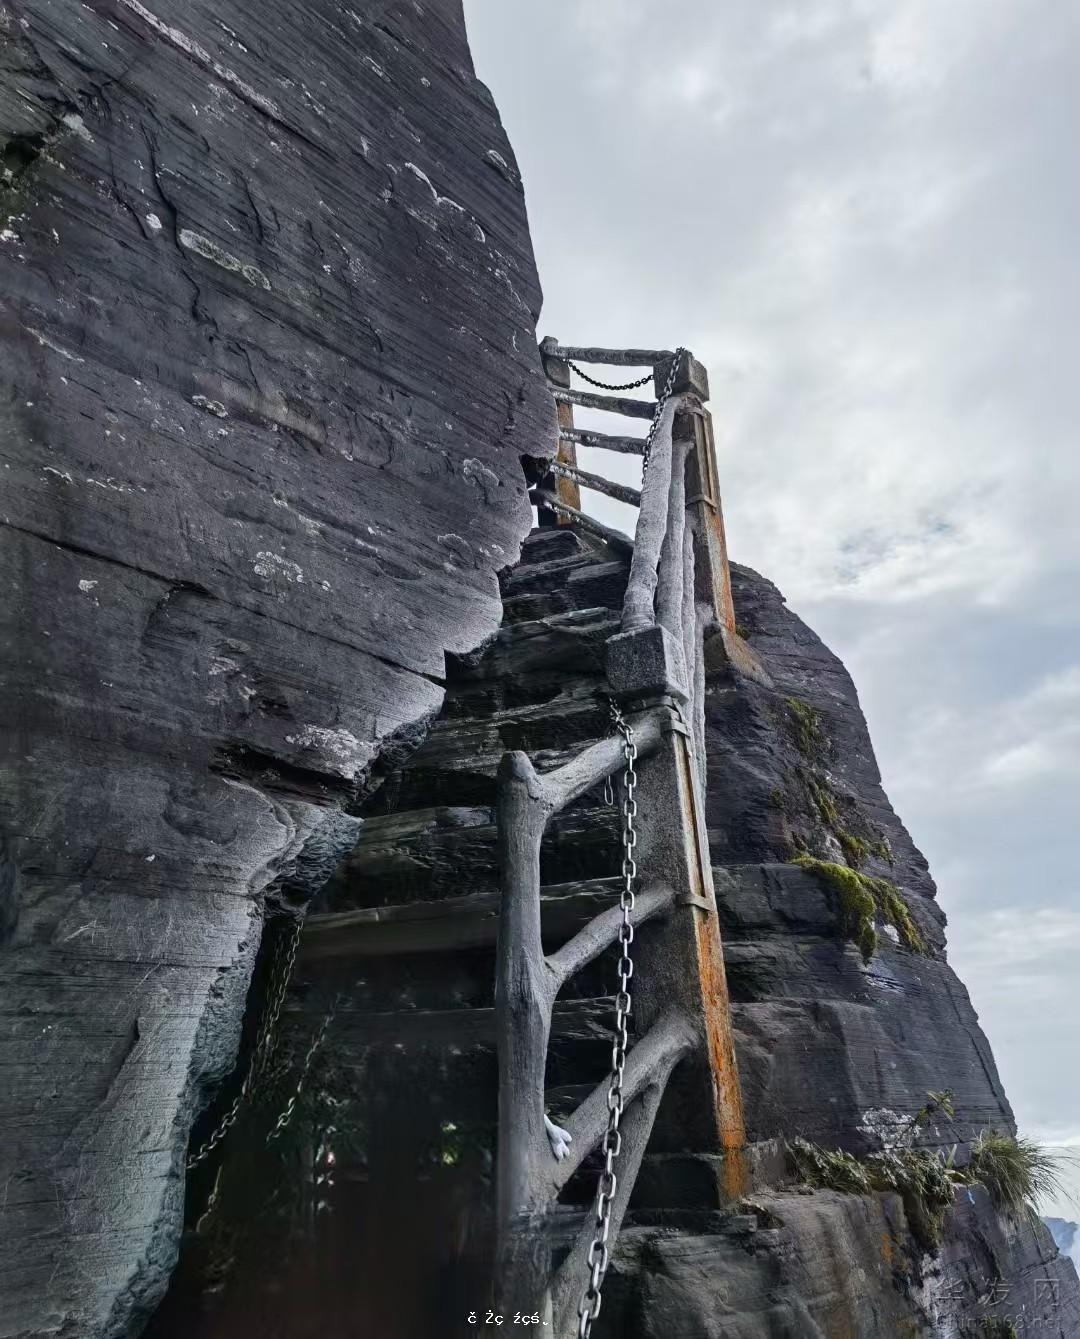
[
  {"x": 85, "y": 585},
  {"x": 47, "y": 343},
  {"x": 153, "y": 222},
  {"x": 74, "y": 121},
  {"x": 274, "y": 568},
  {"x": 478, "y": 473},
  {"x": 199, "y": 53},
  {"x": 203, "y": 246},
  {"x": 439, "y": 199},
  {"x": 341, "y": 748},
  {"x": 211, "y": 406}
]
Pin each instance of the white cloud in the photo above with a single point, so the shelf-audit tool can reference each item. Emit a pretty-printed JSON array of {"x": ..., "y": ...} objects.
[{"x": 861, "y": 215}]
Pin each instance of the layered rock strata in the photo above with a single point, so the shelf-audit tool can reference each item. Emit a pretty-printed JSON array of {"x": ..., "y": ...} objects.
[{"x": 269, "y": 367}]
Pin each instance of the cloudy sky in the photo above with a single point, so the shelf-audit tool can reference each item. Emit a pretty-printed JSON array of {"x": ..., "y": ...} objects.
[{"x": 864, "y": 217}]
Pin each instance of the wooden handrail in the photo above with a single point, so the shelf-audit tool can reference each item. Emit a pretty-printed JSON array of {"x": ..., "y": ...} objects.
[
  {"x": 627, "y": 446},
  {"x": 638, "y": 611},
  {"x": 613, "y": 404},
  {"x": 609, "y": 357}
]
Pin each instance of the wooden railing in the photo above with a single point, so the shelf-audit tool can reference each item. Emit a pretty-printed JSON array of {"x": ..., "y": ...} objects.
[{"x": 678, "y": 595}]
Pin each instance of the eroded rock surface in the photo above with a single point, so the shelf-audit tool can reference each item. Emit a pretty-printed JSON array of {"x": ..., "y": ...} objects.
[{"x": 269, "y": 365}]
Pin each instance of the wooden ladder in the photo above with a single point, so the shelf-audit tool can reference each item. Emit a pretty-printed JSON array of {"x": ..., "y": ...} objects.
[{"x": 677, "y": 603}]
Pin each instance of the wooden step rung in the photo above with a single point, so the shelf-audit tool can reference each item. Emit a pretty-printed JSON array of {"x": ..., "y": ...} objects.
[
  {"x": 579, "y": 353},
  {"x": 540, "y": 497},
  {"x": 446, "y": 925},
  {"x": 626, "y": 446},
  {"x": 571, "y": 1020},
  {"x": 598, "y": 484},
  {"x": 613, "y": 404}
]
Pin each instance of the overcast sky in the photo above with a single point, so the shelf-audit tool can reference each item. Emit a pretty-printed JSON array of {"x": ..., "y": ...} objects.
[{"x": 864, "y": 217}]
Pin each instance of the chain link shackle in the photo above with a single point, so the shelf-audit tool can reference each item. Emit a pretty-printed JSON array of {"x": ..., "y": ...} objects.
[{"x": 598, "y": 1257}]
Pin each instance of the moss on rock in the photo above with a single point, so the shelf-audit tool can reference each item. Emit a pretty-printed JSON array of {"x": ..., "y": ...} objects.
[{"x": 863, "y": 900}]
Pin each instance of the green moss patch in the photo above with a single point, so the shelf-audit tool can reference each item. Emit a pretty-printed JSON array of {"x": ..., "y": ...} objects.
[
  {"x": 863, "y": 900},
  {"x": 807, "y": 728}
]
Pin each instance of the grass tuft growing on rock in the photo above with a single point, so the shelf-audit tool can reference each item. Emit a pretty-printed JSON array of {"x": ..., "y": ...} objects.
[
  {"x": 1016, "y": 1172},
  {"x": 925, "y": 1180},
  {"x": 863, "y": 900}
]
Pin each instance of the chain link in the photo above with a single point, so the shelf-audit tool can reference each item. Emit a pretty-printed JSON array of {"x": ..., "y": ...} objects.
[
  {"x": 290, "y": 1106},
  {"x": 669, "y": 384},
  {"x": 280, "y": 975},
  {"x": 608, "y": 385},
  {"x": 598, "y": 1256}
]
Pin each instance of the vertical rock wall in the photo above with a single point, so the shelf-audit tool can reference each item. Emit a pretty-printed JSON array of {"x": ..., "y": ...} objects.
[{"x": 267, "y": 307}]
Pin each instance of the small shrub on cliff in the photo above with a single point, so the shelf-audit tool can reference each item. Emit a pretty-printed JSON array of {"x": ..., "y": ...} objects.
[
  {"x": 1017, "y": 1172},
  {"x": 863, "y": 899},
  {"x": 997, "y": 1327}
]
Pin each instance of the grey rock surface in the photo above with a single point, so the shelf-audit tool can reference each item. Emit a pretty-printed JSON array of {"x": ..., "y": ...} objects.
[
  {"x": 835, "y": 1049},
  {"x": 269, "y": 367}
]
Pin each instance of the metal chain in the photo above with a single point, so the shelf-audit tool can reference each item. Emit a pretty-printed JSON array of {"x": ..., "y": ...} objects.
[
  {"x": 608, "y": 385},
  {"x": 665, "y": 395},
  {"x": 278, "y": 986},
  {"x": 598, "y": 1257},
  {"x": 290, "y": 1106}
]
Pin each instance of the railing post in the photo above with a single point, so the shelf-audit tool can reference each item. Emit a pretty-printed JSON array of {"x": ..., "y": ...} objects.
[
  {"x": 680, "y": 962},
  {"x": 712, "y": 573},
  {"x": 565, "y": 490}
]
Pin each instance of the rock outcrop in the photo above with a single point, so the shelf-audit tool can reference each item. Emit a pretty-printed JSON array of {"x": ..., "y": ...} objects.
[{"x": 269, "y": 367}]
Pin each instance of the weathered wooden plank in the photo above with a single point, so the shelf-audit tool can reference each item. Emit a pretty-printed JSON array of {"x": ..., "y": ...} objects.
[
  {"x": 580, "y": 353},
  {"x": 597, "y": 482},
  {"x": 571, "y": 1020},
  {"x": 613, "y": 404},
  {"x": 627, "y": 446},
  {"x": 539, "y": 497},
  {"x": 446, "y": 925}
]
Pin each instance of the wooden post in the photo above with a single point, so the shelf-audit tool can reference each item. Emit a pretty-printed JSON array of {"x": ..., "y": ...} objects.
[
  {"x": 713, "y": 575},
  {"x": 566, "y": 490}
]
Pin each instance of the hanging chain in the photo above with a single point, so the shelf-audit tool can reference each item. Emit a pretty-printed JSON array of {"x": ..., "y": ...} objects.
[
  {"x": 260, "y": 1055},
  {"x": 608, "y": 385},
  {"x": 290, "y": 1106},
  {"x": 598, "y": 1257},
  {"x": 668, "y": 387}
]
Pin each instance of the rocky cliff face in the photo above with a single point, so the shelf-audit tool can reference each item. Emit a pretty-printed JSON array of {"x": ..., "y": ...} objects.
[
  {"x": 269, "y": 367},
  {"x": 836, "y": 1043}
]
